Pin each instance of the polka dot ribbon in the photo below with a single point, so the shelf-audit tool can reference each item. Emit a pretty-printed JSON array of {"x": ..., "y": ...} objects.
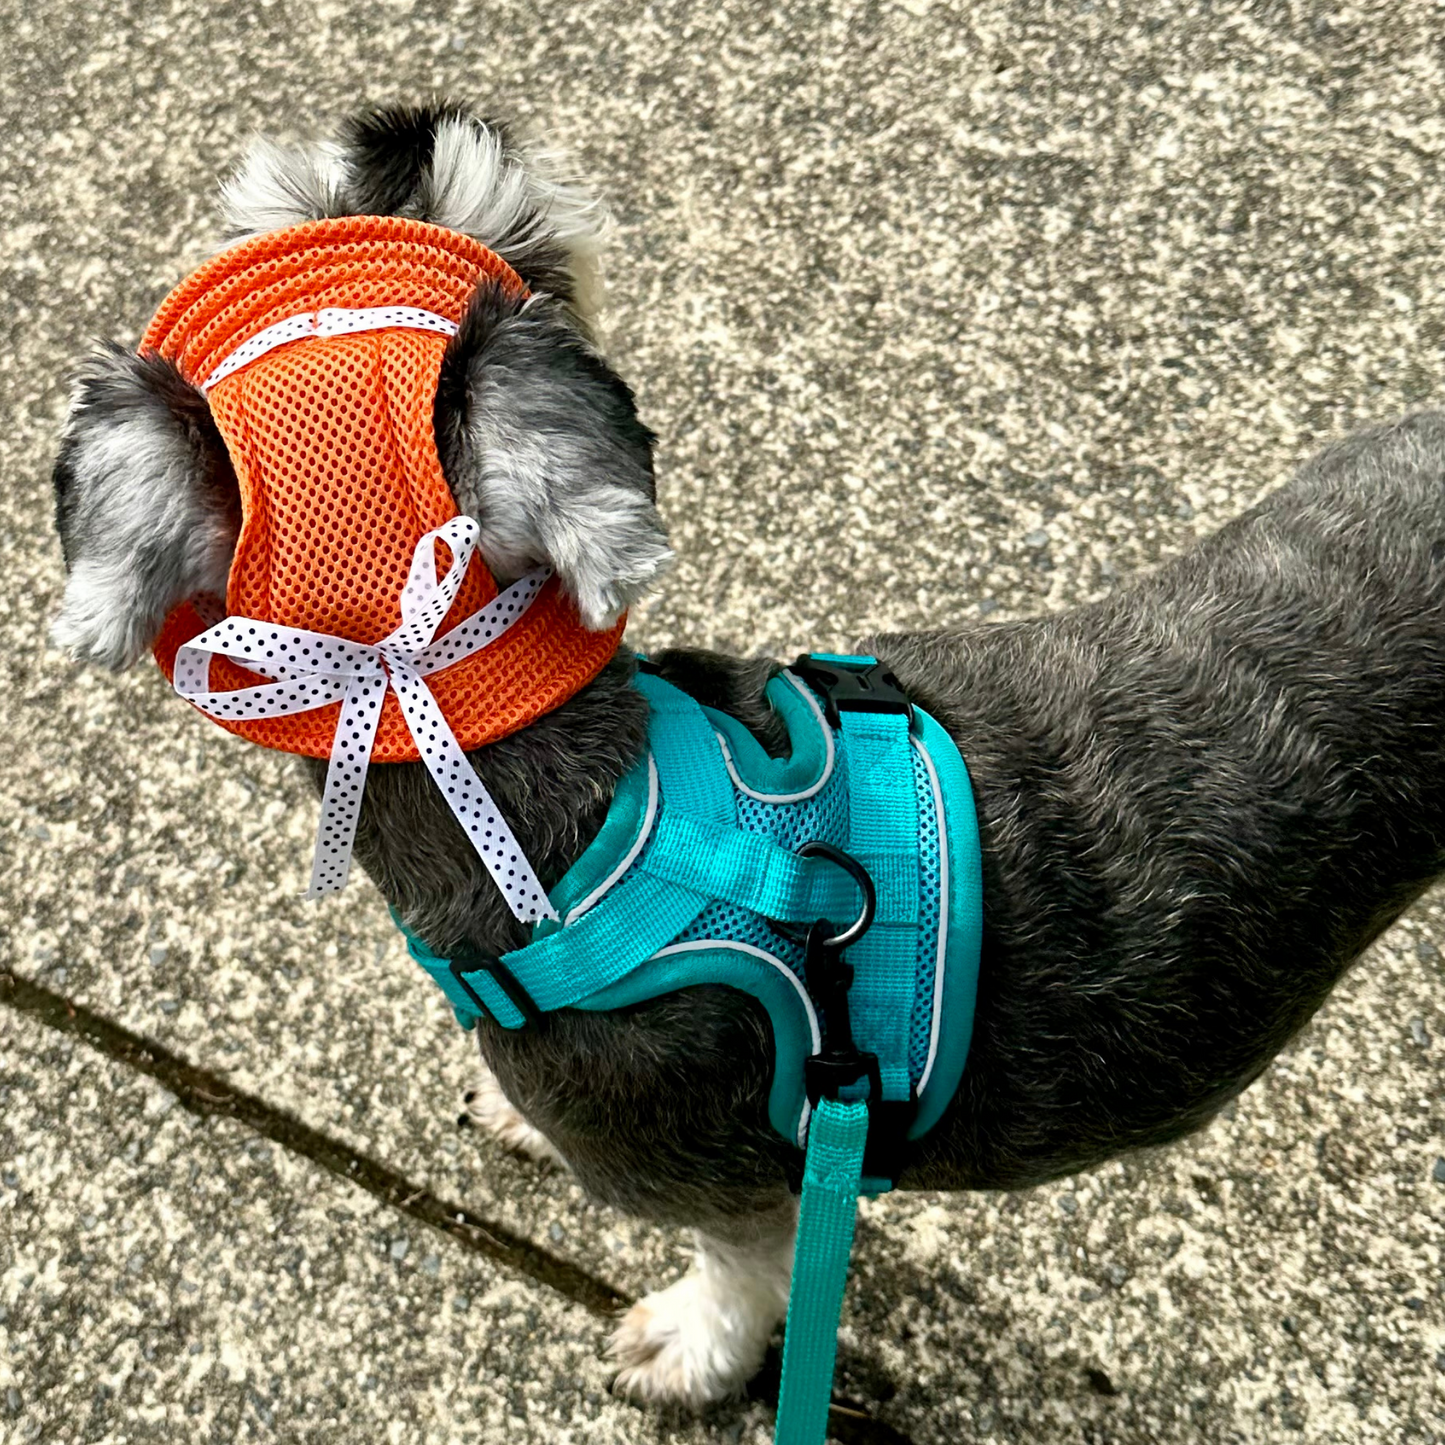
[{"x": 309, "y": 670}]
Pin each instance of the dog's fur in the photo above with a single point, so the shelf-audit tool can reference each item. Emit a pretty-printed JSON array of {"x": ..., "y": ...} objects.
[{"x": 1199, "y": 800}]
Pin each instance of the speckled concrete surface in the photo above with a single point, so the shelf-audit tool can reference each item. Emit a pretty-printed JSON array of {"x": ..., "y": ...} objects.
[
  {"x": 173, "y": 1280},
  {"x": 941, "y": 311}
]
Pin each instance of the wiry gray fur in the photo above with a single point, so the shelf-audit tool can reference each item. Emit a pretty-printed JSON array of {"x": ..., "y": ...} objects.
[
  {"x": 146, "y": 504},
  {"x": 281, "y": 185},
  {"x": 442, "y": 165},
  {"x": 1199, "y": 802}
]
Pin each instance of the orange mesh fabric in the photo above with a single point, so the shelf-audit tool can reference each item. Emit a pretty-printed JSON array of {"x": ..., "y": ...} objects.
[{"x": 333, "y": 447}]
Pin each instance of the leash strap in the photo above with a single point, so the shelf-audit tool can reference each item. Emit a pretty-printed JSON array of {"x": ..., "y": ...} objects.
[{"x": 837, "y": 1134}]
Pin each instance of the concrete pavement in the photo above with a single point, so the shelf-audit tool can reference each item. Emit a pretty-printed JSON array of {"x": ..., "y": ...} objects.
[{"x": 940, "y": 311}]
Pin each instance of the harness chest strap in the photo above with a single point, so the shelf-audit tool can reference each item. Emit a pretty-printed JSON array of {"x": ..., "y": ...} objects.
[{"x": 696, "y": 855}]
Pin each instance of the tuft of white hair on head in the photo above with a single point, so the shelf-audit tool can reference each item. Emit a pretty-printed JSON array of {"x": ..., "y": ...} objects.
[
  {"x": 278, "y": 185},
  {"x": 517, "y": 200}
]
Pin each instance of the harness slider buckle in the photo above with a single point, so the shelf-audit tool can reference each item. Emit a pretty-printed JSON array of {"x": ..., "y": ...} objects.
[
  {"x": 469, "y": 960},
  {"x": 844, "y": 687}
]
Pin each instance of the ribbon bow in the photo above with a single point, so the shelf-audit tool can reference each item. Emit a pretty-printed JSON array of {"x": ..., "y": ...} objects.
[{"x": 310, "y": 669}]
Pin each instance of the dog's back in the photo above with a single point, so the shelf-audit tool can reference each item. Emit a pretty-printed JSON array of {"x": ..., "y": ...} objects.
[{"x": 1201, "y": 799}]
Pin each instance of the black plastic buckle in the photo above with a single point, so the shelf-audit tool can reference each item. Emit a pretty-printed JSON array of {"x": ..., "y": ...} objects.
[
  {"x": 887, "y": 1147},
  {"x": 844, "y": 687},
  {"x": 469, "y": 960},
  {"x": 826, "y": 1075},
  {"x": 841, "y": 1064}
]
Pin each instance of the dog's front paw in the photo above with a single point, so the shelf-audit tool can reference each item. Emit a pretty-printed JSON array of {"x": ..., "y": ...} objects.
[
  {"x": 489, "y": 1108},
  {"x": 684, "y": 1345}
]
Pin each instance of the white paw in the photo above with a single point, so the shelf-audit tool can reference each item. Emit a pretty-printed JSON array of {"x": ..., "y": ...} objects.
[
  {"x": 490, "y": 1109},
  {"x": 684, "y": 1345}
]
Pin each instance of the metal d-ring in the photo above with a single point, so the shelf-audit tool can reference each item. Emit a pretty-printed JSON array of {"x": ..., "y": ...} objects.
[{"x": 816, "y": 848}]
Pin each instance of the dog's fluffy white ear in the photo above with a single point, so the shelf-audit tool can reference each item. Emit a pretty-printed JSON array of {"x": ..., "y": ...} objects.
[
  {"x": 437, "y": 163},
  {"x": 146, "y": 504},
  {"x": 542, "y": 444}
]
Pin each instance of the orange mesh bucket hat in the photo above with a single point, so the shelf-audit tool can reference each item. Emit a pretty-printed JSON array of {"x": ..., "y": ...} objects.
[
  {"x": 332, "y": 442},
  {"x": 320, "y": 348}
]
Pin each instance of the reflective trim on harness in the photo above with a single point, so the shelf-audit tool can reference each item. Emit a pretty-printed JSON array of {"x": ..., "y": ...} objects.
[{"x": 782, "y": 774}]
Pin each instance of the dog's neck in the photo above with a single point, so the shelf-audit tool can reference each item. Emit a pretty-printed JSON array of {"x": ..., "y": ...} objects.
[{"x": 554, "y": 781}]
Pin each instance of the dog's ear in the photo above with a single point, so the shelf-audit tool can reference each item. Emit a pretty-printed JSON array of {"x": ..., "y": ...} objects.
[
  {"x": 146, "y": 504},
  {"x": 541, "y": 443},
  {"x": 437, "y": 163}
]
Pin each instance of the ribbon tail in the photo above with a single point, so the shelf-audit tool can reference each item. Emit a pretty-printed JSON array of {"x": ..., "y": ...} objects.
[
  {"x": 191, "y": 674},
  {"x": 471, "y": 804},
  {"x": 345, "y": 783}
]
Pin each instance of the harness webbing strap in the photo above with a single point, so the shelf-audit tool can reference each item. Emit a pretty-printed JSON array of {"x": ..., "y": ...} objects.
[
  {"x": 753, "y": 872},
  {"x": 689, "y": 757},
  {"x": 639, "y": 916},
  {"x": 837, "y": 1134},
  {"x": 883, "y": 817},
  {"x": 698, "y": 855},
  {"x": 642, "y": 913}
]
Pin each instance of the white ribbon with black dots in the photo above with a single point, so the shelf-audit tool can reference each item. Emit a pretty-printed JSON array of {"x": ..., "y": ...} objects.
[
  {"x": 329, "y": 321},
  {"x": 309, "y": 670}
]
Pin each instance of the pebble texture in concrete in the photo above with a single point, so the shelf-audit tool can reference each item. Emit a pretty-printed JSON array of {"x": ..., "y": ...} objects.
[
  {"x": 940, "y": 311},
  {"x": 170, "y": 1279}
]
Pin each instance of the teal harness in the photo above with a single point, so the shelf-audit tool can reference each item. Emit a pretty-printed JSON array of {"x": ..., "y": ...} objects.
[{"x": 838, "y": 885}]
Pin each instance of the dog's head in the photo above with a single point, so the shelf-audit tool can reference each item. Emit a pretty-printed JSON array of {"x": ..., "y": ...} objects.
[{"x": 539, "y": 438}]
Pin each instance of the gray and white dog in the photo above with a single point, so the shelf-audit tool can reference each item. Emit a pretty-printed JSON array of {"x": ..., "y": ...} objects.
[{"x": 1200, "y": 800}]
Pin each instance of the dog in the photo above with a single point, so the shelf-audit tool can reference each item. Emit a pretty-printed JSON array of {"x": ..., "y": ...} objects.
[{"x": 1199, "y": 800}]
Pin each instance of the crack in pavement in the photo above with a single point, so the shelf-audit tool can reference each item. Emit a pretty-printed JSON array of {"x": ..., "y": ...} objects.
[{"x": 208, "y": 1096}]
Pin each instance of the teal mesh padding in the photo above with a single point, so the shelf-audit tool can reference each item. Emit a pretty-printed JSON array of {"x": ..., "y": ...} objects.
[
  {"x": 930, "y": 890},
  {"x": 825, "y": 816},
  {"x": 727, "y": 923},
  {"x": 790, "y": 825}
]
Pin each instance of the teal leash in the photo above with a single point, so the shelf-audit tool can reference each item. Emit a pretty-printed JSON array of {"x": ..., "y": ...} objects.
[
  {"x": 833, "y": 1170},
  {"x": 846, "y": 1091}
]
